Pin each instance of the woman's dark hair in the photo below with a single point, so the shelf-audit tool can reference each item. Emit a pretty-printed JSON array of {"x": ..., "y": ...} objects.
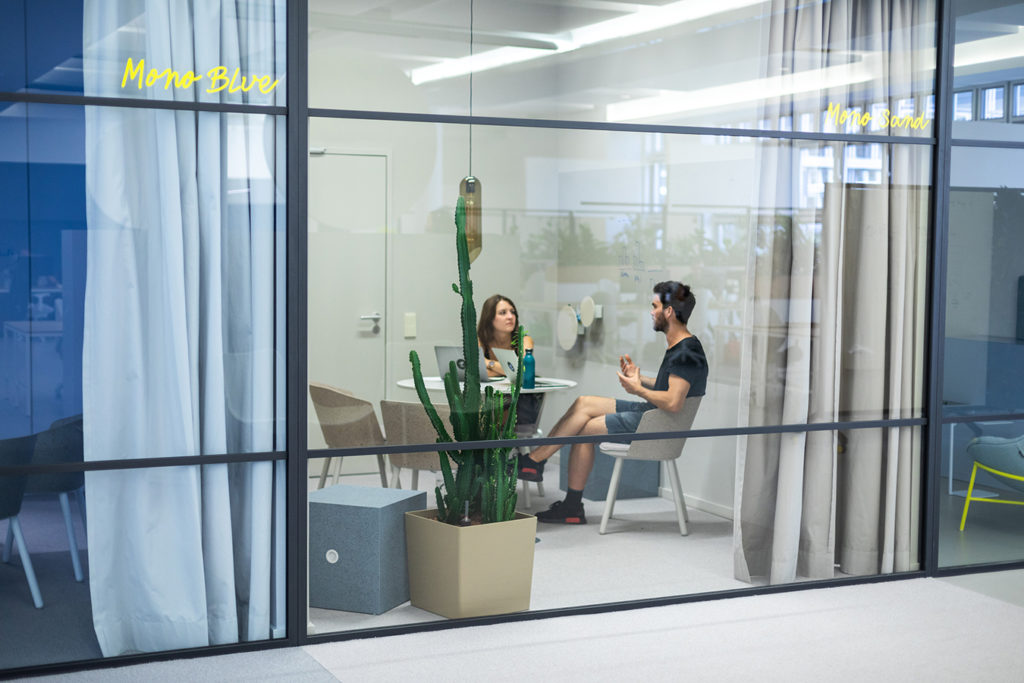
[
  {"x": 678, "y": 296},
  {"x": 485, "y": 326}
]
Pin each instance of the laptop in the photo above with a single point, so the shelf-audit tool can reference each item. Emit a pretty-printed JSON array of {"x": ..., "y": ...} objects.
[
  {"x": 446, "y": 354},
  {"x": 509, "y": 360}
]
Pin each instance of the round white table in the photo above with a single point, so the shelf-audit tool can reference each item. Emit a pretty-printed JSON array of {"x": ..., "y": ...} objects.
[{"x": 543, "y": 385}]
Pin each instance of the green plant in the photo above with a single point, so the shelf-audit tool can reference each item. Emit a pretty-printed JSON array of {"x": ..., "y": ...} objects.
[{"x": 484, "y": 484}]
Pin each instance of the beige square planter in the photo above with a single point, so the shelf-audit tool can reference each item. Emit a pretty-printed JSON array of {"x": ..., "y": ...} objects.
[{"x": 469, "y": 571}]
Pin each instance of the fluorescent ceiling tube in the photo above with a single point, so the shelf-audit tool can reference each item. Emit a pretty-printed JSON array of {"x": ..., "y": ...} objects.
[
  {"x": 641, "y": 21},
  {"x": 989, "y": 49},
  {"x": 672, "y": 102}
]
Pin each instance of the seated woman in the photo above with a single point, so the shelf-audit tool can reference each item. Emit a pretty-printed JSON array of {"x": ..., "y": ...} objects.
[{"x": 498, "y": 328}]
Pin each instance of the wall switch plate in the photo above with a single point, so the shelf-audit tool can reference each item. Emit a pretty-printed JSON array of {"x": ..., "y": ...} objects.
[{"x": 410, "y": 325}]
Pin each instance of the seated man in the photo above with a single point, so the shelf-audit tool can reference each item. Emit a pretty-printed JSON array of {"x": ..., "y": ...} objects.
[{"x": 683, "y": 373}]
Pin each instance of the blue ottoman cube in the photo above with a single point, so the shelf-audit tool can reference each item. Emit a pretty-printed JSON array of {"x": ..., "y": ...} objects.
[{"x": 357, "y": 547}]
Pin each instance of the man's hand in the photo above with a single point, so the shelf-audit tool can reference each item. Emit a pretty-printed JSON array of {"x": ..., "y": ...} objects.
[{"x": 629, "y": 376}]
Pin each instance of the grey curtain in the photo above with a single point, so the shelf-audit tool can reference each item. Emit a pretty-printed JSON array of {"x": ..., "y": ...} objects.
[{"x": 835, "y": 319}]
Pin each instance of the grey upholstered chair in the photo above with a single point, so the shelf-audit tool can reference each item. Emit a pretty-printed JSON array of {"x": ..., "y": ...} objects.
[
  {"x": 1001, "y": 457},
  {"x": 14, "y": 452},
  {"x": 407, "y": 423},
  {"x": 667, "y": 450},
  {"x": 346, "y": 422}
]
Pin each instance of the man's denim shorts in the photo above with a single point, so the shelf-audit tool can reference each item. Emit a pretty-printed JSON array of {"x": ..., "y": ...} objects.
[{"x": 626, "y": 417}]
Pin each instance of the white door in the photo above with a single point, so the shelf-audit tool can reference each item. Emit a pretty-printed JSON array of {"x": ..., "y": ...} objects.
[{"x": 348, "y": 214}]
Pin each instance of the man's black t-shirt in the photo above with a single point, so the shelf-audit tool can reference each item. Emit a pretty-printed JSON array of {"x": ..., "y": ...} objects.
[{"x": 687, "y": 360}]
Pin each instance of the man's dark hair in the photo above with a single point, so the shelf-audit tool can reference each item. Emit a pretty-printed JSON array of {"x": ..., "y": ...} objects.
[{"x": 678, "y": 296}]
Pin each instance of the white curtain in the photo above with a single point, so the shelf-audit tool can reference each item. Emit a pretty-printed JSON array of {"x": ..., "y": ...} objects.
[
  {"x": 836, "y": 317},
  {"x": 178, "y": 353}
]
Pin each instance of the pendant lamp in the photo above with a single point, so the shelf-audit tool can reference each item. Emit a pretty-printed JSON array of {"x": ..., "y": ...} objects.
[{"x": 469, "y": 187}]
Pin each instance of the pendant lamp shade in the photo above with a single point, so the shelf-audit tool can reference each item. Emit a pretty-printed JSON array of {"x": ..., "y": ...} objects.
[{"x": 469, "y": 190}]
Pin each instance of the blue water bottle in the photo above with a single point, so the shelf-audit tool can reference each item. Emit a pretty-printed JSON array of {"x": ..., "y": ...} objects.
[{"x": 529, "y": 373}]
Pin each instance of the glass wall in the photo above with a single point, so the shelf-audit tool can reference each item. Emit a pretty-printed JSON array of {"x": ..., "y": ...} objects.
[
  {"x": 142, "y": 287},
  {"x": 982, "y": 404},
  {"x": 807, "y": 258},
  {"x": 207, "y": 570},
  {"x": 728, "y": 64},
  {"x": 983, "y": 359},
  {"x": 988, "y": 70}
]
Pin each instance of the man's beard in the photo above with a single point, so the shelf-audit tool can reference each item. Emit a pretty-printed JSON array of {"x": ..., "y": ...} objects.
[{"x": 660, "y": 324}]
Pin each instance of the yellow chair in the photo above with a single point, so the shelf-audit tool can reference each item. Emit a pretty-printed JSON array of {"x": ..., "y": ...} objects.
[{"x": 998, "y": 456}]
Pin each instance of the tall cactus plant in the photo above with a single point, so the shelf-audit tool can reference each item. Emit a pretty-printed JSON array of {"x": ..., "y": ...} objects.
[{"x": 484, "y": 478}]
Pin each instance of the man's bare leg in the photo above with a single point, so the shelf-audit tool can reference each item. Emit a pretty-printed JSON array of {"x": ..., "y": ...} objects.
[
  {"x": 581, "y": 457},
  {"x": 575, "y": 421},
  {"x": 581, "y": 461}
]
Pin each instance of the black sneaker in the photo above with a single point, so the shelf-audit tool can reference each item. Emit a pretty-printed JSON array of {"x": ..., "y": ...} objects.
[
  {"x": 560, "y": 513},
  {"x": 530, "y": 470}
]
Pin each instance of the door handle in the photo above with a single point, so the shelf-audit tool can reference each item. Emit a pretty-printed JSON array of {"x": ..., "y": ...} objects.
[{"x": 375, "y": 317}]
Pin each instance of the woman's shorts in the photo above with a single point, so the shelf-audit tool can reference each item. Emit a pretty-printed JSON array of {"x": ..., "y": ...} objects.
[{"x": 626, "y": 417}]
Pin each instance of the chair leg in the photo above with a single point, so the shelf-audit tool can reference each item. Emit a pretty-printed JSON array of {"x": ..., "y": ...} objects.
[
  {"x": 967, "y": 500},
  {"x": 383, "y": 470},
  {"x": 540, "y": 489},
  {"x": 323, "y": 473},
  {"x": 526, "y": 494},
  {"x": 80, "y": 496},
  {"x": 26, "y": 563},
  {"x": 613, "y": 490},
  {"x": 415, "y": 479},
  {"x": 76, "y": 563},
  {"x": 396, "y": 479},
  {"x": 337, "y": 470},
  {"x": 677, "y": 496}
]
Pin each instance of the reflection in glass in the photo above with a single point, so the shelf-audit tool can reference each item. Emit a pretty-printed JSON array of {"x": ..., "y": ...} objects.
[
  {"x": 992, "y": 103},
  {"x": 210, "y": 53},
  {"x": 984, "y": 309},
  {"x": 963, "y": 105},
  {"x": 207, "y": 570},
  {"x": 1018, "y": 99},
  {"x": 715, "y": 64},
  {"x": 986, "y": 56}
]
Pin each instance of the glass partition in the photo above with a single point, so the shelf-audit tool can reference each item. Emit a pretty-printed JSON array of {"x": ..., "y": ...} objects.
[
  {"x": 866, "y": 67},
  {"x": 807, "y": 261},
  {"x": 982, "y": 492},
  {"x": 988, "y": 70},
  {"x": 89, "y": 215},
  {"x": 172, "y": 557},
  {"x": 849, "y": 509},
  {"x": 985, "y": 283},
  {"x": 219, "y": 53}
]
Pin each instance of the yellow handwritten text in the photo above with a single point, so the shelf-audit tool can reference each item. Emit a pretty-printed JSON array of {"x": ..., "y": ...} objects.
[
  {"x": 219, "y": 80},
  {"x": 884, "y": 119}
]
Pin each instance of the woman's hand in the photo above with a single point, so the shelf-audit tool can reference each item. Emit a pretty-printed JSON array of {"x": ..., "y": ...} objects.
[{"x": 494, "y": 368}]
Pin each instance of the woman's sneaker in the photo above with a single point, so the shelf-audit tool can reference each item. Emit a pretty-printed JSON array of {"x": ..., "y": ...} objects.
[
  {"x": 560, "y": 513},
  {"x": 530, "y": 470}
]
